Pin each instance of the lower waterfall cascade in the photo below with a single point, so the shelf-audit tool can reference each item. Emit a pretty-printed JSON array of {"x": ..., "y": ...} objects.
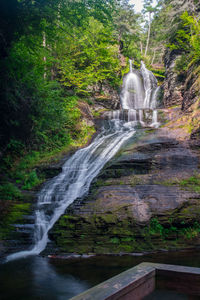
[{"x": 138, "y": 101}]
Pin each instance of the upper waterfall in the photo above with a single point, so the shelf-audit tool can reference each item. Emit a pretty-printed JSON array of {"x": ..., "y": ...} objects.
[{"x": 139, "y": 89}]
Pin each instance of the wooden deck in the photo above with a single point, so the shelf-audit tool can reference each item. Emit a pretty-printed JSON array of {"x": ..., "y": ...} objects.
[{"x": 143, "y": 279}]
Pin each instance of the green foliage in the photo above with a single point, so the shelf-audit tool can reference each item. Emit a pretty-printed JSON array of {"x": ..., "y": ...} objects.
[
  {"x": 30, "y": 180},
  {"x": 187, "y": 39},
  {"x": 9, "y": 191},
  {"x": 155, "y": 227},
  {"x": 128, "y": 30},
  {"x": 93, "y": 57},
  {"x": 55, "y": 54},
  {"x": 15, "y": 215},
  {"x": 62, "y": 49},
  {"x": 193, "y": 183},
  {"x": 181, "y": 63},
  {"x": 115, "y": 240},
  {"x": 192, "y": 25}
]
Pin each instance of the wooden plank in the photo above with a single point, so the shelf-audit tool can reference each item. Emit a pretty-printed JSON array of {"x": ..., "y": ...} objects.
[
  {"x": 178, "y": 278},
  {"x": 136, "y": 282}
]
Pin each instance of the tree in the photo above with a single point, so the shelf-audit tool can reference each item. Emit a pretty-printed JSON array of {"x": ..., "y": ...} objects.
[
  {"x": 39, "y": 96},
  {"x": 128, "y": 30},
  {"x": 148, "y": 9}
]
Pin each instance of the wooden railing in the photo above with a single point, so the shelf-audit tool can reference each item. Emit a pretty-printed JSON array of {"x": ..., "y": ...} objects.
[{"x": 140, "y": 281}]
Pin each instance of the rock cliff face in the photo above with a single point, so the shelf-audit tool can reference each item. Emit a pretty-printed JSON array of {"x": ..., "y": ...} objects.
[
  {"x": 173, "y": 85},
  {"x": 180, "y": 88},
  {"x": 144, "y": 199},
  {"x": 105, "y": 95}
]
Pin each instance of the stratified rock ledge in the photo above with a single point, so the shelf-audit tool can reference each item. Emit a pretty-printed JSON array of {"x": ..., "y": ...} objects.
[{"x": 138, "y": 202}]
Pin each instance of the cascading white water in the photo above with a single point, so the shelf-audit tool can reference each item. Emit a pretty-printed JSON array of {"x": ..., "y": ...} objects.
[
  {"x": 154, "y": 97},
  {"x": 154, "y": 118},
  {"x": 150, "y": 83},
  {"x": 132, "y": 91},
  {"x": 132, "y": 115},
  {"x": 74, "y": 181},
  {"x": 139, "y": 93}
]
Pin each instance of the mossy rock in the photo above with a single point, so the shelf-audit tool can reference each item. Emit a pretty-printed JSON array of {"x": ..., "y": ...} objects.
[{"x": 16, "y": 214}]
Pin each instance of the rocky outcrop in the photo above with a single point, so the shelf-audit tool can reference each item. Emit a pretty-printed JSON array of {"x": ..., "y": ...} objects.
[
  {"x": 173, "y": 83},
  {"x": 191, "y": 92},
  {"x": 17, "y": 224},
  {"x": 105, "y": 95},
  {"x": 180, "y": 87},
  {"x": 139, "y": 201}
]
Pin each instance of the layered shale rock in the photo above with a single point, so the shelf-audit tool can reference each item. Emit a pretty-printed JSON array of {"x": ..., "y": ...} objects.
[{"x": 138, "y": 201}]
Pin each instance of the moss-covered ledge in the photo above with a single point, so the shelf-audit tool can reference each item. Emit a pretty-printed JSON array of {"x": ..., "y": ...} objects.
[{"x": 118, "y": 231}]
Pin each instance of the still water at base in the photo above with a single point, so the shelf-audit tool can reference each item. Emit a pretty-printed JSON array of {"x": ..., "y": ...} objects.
[{"x": 37, "y": 278}]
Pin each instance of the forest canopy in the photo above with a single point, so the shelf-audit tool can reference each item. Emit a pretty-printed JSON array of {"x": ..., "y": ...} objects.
[{"x": 56, "y": 53}]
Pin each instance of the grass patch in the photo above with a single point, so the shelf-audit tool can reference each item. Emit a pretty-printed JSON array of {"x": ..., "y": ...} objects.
[{"x": 191, "y": 183}]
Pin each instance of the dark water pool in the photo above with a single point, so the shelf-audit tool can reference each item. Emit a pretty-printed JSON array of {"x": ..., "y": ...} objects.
[{"x": 41, "y": 278}]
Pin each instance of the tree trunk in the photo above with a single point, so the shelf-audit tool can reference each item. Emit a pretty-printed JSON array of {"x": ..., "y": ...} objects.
[
  {"x": 141, "y": 47},
  {"x": 154, "y": 54},
  {"x": 148, "y": 37},
  {"x": 44, "y": 58}
]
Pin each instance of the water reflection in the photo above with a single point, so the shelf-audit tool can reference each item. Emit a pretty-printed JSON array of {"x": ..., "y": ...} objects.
[
  {"x": 35, "y": 278},
  {"x": 38, "y": 278},
  {"x": 48, "y": 284}
]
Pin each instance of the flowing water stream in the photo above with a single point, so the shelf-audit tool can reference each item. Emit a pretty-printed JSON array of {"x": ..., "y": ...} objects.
[{"x": 139, "y": 94}]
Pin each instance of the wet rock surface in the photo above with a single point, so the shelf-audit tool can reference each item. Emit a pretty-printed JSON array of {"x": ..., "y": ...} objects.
[
  {"x": 137, "y": 203},
  {"x": 17, "y": 225},
  {"x": 180, "y": 88},
  {"x": 173, "y": 84}
]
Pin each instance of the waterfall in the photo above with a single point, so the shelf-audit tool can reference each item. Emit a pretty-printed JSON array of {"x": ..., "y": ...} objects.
[
  {"x": 150, "y": 83},
  {"x": 155, "y": 97},
  {"x": 132, "y": 115},
  {"x": 132, "y": 91},
  {"x": 74, "y": 181},
  {"x": 139, "y": 92},
  {"x": 154, "y": 118}
]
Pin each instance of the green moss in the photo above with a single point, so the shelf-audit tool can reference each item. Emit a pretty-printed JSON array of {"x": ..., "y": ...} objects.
[
  {"x": 127, "y": 239},
  {"x": 15, "y": 215},
  {"x": 115, "y": 240},
  {"x": 109, "y": 218},
  {"x": 107, "y": 234},
  {"x": 191, "y": 183}
]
